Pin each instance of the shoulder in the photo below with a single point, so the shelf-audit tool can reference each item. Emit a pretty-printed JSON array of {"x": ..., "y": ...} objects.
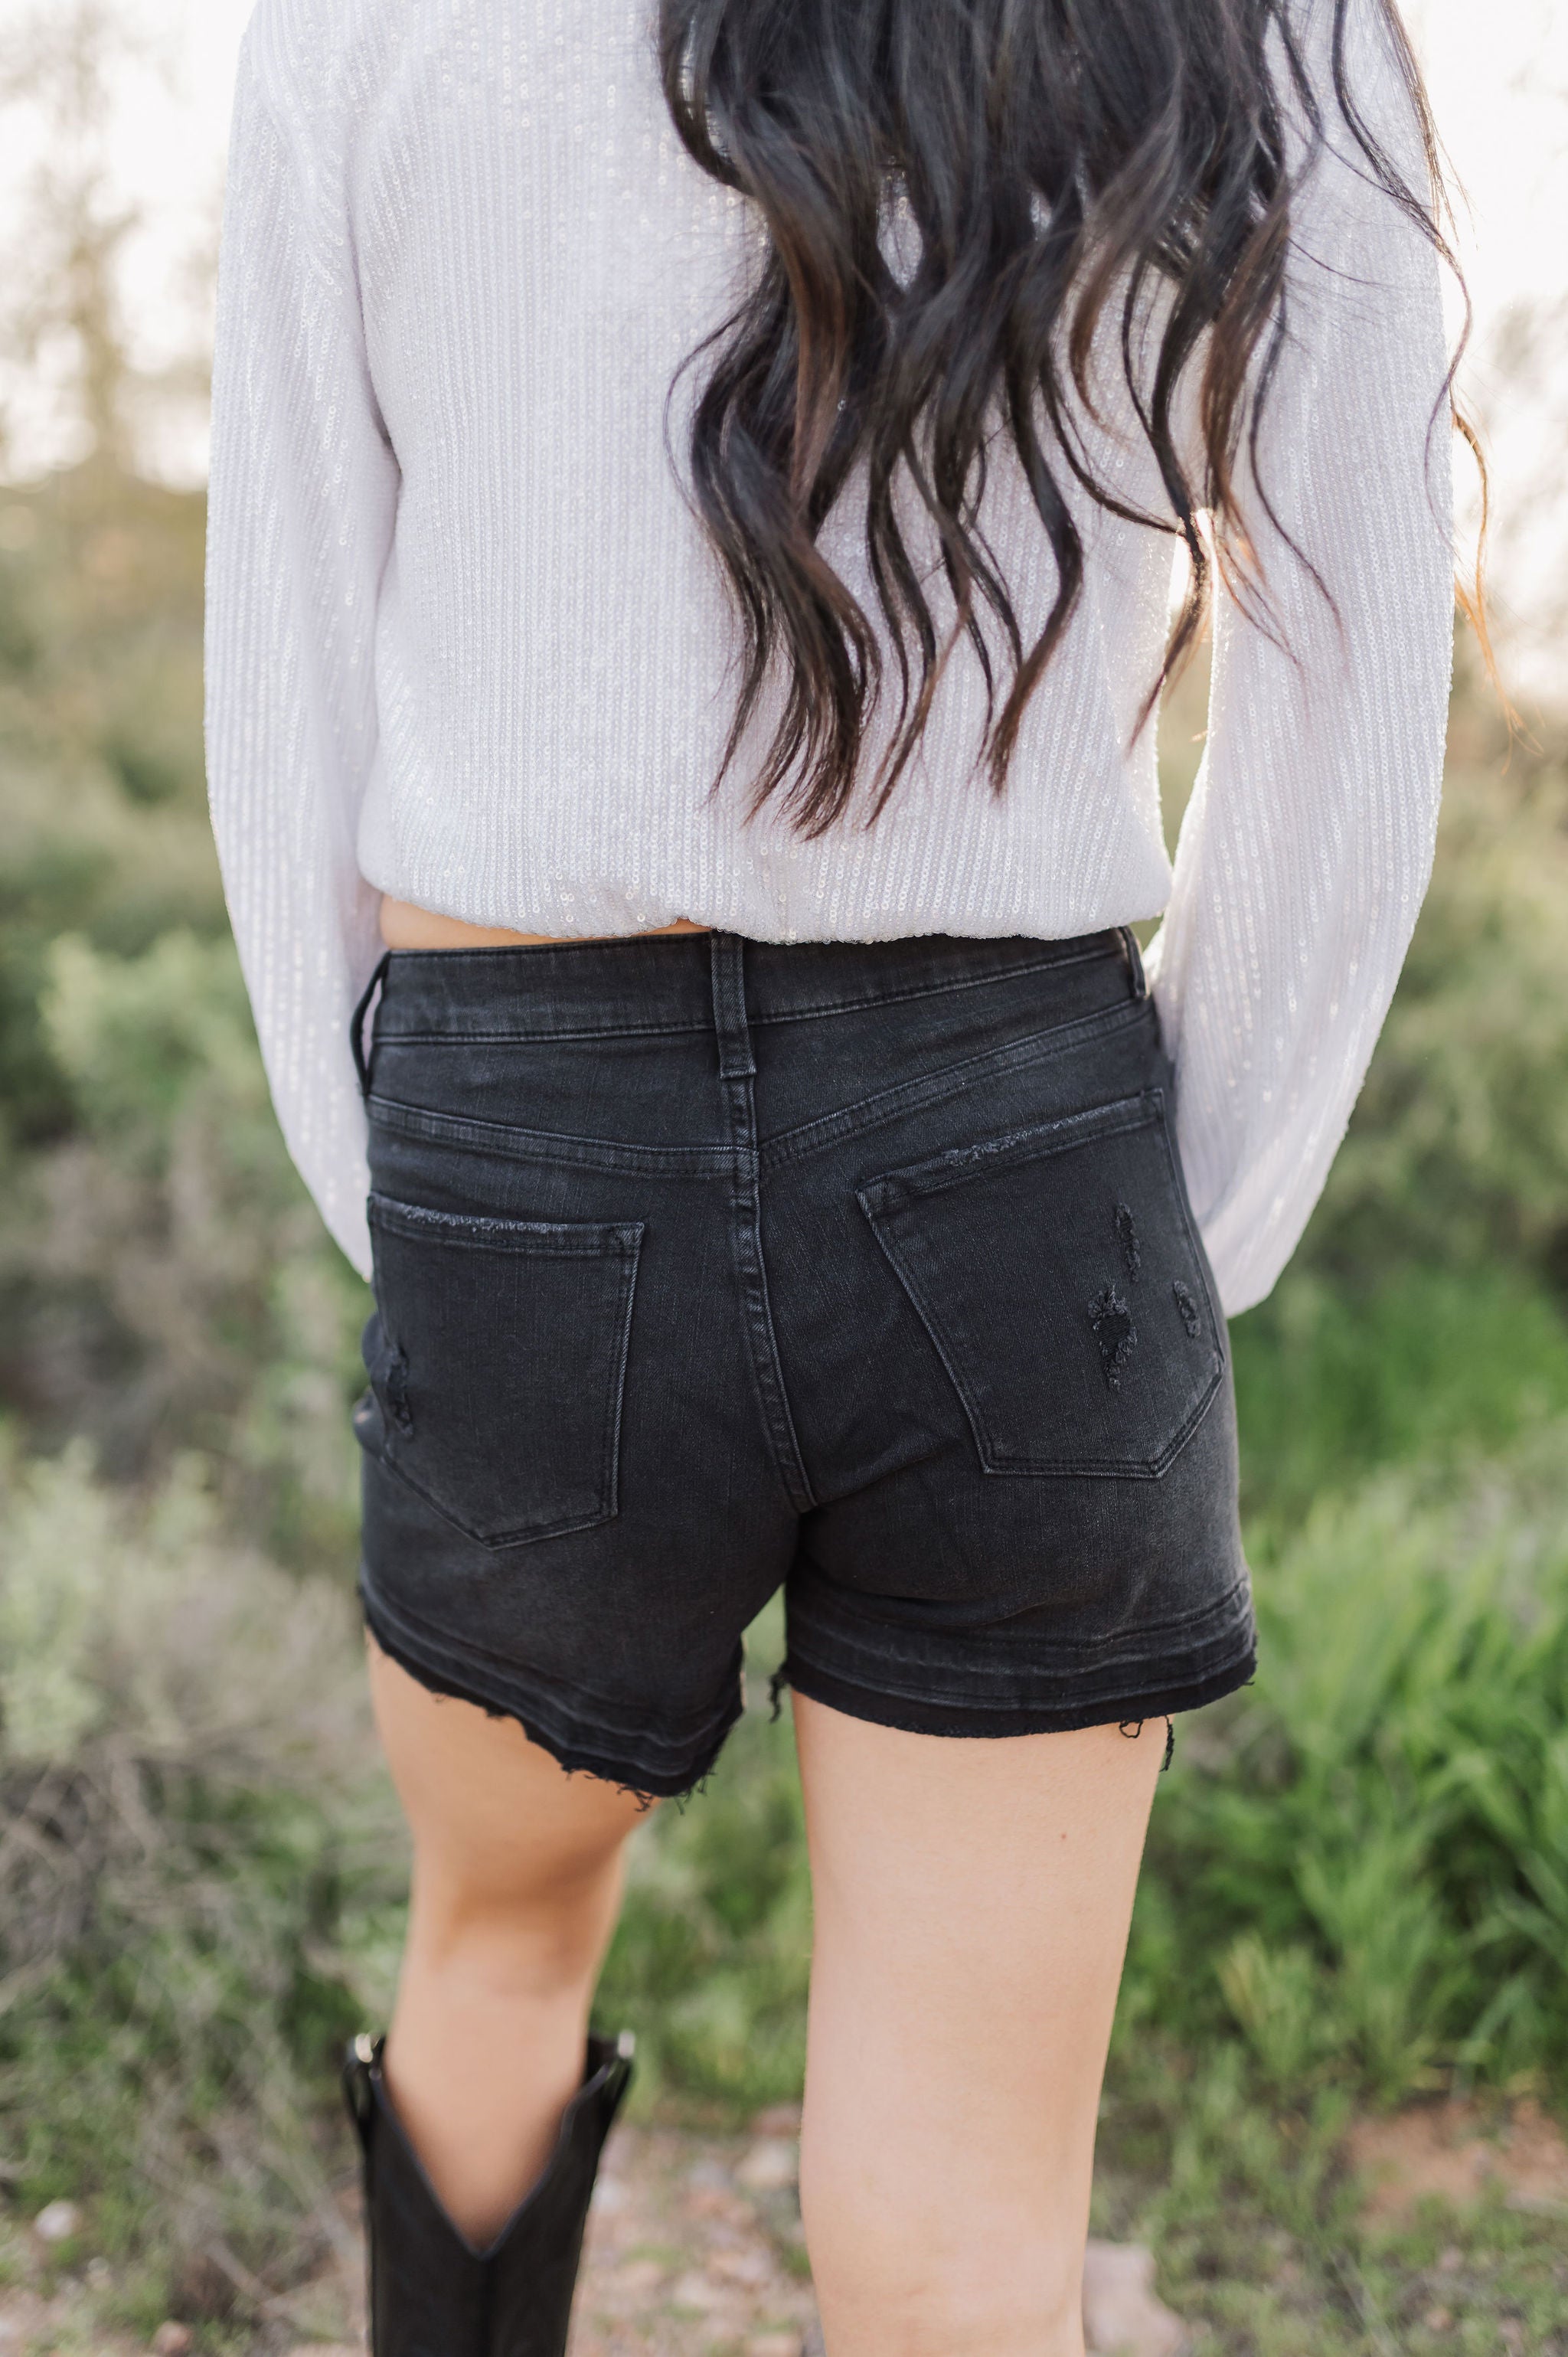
[
  {"x": 1357, "y": 139},
  {"x": 306, "y": 62},
  {"x": 1356, "y": 58}
]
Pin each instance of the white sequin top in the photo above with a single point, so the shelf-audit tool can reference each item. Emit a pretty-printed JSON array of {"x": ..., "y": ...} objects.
[{"x": 466, "y": 645}]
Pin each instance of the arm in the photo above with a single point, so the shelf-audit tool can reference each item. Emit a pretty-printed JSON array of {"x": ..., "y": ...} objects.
[
  {"x": 1307, "y": 844},
  {"x": 304, "y": 491}
]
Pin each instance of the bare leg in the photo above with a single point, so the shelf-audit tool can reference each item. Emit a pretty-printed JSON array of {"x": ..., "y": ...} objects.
[
  {"x": 517, "y": 1877},
  {"x": 972, "y": 1900}
]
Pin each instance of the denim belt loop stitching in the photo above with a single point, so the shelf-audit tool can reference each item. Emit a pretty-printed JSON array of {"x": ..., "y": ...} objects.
[
  {"x": 737, "y": 1070},
  {"x": 1135, "y": 957},
  {"x": 736, "y": 1060},
  {"x": 356, "y": 1027}
]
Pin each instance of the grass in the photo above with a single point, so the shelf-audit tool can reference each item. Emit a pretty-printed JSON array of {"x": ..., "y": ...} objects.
[
  {"x": 1265, "y": 2251},
  {"x": 1357, "y": 1890},
  {"x": 188, "y": 1846},
  {"x": 1434, "y": 1364}
]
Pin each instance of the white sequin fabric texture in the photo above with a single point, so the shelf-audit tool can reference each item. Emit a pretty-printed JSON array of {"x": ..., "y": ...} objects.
[{"x": 468, "y": 646}]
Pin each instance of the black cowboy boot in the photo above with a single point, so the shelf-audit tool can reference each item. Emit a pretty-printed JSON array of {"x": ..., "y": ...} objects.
[{"x": 432, "y": 2293}]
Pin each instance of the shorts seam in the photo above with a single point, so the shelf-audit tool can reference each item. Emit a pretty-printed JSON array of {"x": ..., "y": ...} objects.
[
  {"x": 1101, "y": 1710},
  {"x": 893, "y": 1648},
  {"x": 471, "y": 1663},
  {"x": 535, "y": 1038},
  {"x": 935, "y": 1088},
  {"x": 931, "y": 989},
  {"x": 716, "y": 1161}
]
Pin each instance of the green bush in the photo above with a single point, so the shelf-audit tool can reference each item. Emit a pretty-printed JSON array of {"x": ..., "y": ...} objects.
[
  {"x": 191, "y": 1857},
  {"x": 1458, "y": 1153},
  {"x": 711, "y": 1961},
  {"x": 1420, "y": 1364},
  {"x": 1361, "y": 1864},
  {"x": 166, "y": 1280}
]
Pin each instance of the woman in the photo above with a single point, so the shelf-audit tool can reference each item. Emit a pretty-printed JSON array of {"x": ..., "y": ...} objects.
[{"x": 694, "y": 503}]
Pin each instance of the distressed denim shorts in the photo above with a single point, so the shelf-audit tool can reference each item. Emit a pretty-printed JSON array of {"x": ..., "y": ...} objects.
[{"x": 706, "y": 1266}]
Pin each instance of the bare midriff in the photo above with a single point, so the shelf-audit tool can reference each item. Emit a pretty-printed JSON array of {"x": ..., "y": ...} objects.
[{"x": 406, "y": 927}]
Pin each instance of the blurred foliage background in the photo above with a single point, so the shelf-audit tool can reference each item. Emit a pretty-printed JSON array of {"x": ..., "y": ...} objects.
[{"x": 1358, "y": 1885}]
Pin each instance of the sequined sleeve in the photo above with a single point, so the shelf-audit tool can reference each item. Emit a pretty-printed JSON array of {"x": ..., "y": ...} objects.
[
  {"x": 303, "y": 496},
  {"x": 1307, "y": 844}
]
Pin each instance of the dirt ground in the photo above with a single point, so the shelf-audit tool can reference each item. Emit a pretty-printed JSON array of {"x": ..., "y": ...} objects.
[{"x": 694, "y": 2248}]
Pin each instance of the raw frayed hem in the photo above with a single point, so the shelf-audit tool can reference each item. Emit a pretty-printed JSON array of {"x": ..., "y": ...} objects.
[
  {"x": 569, "y": 1758},
  {"x": 947, "y": 1719},
  {"x": 1133, "y": 1728}
]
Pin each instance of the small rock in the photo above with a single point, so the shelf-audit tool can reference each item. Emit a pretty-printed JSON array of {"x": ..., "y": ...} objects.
[
  {"x": 709, "y": 2202},
  {"x": 1511, "y": 2333},
  {"x": 1451, "y": 2260},
  {"x": 1122, "y": 2316},
  {"x": 639, "y": 2276},
  {"x": 775, "y": 2344},
  {"x": 769, "y": 2166},
  {"x": 56, "y": 2221},
  {"x": 172, "y": 2340},
  {"x": 749, "y": 2267},
  {"x": 695, "y": 2290},
  {"x": 1438, "y": 2319}
]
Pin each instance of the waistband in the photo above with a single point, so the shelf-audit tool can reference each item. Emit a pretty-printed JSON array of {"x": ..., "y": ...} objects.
[{"x": 650, "y": 986}]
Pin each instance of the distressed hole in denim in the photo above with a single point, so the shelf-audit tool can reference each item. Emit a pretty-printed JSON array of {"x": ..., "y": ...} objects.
[
  {"x": 1114, "y": 1332},
  {"x": 958, "y": 1156},
  {"x": 397, "y": 1396},
  {"x": 1127, "y": 1237},
  {"x": 1188, "y": 1308}
]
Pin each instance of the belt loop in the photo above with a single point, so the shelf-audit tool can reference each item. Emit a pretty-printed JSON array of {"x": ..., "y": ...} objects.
[
  {"x": 1134, "y": 962},
  {"x": 728, "y": 955},
  {"x": 356, "y": 1027}
]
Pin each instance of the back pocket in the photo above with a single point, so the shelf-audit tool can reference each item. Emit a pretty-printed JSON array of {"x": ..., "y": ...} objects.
[
  {"x": 1058, "y": 1271},
  {"x": 498, "y": 1358}
]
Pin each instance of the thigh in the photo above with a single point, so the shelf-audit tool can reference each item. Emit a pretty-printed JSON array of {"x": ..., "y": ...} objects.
[
  {"x": 492, "y": 1814},
  {"x": 972, "y": 1900}
]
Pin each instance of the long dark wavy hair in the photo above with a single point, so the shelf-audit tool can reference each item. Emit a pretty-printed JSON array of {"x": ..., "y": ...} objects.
[{"x": 1057, "y": 157}]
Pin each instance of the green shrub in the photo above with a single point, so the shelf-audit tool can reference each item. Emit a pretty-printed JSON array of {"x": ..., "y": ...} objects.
[
  {"x": 1458, "y": 1153},
  {"x": 1426, "y": 1364},
  {"x": 166, "y": 1280},
  {"x": 1361, "y": 1864},
  {"x": 190, "y": 1852},
  {"x": 711, "y": 1961}
]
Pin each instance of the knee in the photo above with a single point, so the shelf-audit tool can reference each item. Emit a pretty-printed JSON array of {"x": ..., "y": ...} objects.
[
  {"x": 515, "y": 1935},
  {"x": 950, "y": 2286}
]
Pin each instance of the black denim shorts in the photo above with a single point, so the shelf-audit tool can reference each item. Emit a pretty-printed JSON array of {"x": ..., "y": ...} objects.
[{"x": 705, "y": 1267}]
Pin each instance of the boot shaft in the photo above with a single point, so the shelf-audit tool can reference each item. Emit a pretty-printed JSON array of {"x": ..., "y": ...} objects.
[{"x": 432, "y": 2294}]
